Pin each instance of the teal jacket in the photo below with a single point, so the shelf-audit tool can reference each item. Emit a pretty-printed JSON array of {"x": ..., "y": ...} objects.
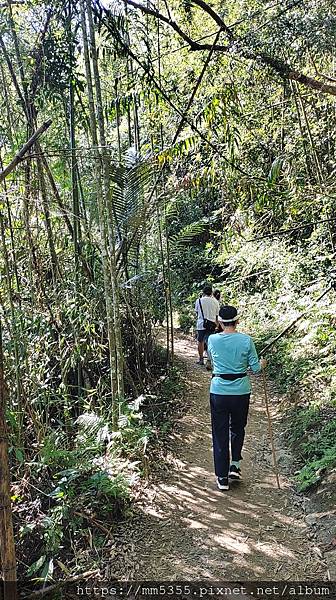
[{"x": 232, "y": 353}]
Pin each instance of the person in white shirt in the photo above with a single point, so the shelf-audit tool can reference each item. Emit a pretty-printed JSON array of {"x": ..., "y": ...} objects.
[{"x": 207, "y": 310}]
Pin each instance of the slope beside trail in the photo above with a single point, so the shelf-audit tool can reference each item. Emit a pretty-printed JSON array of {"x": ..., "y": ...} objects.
[{"x": 186, "y": 529}]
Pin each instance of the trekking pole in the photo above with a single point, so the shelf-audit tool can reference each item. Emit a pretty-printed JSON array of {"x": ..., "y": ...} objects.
[{"x": 270, "y": 429}]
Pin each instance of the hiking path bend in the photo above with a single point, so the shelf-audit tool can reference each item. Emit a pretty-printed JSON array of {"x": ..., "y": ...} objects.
[{"x": 189, "y": 530}]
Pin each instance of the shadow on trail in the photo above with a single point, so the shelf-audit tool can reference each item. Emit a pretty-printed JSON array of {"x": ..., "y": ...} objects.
[{"x": 191, "y": 530}]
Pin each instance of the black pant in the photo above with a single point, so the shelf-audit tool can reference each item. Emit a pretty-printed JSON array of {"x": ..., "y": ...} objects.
[{"x": 228, "y": 415}]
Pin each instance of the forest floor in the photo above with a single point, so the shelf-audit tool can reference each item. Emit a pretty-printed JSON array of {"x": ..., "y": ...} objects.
[{"x": 184, "y": 528}]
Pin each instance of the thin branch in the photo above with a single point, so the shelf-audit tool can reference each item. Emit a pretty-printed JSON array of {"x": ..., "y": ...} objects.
[
  {"x": 18, "y": 157},
  {"x": 253, "y": 15},
  {"x": 327, "y": 77},
  {"x": 129, "y": 243},
  {"x": 39, "y": 58},
  {"x": 56, "y": 586},
  {"x": 13, "y": 3},
  {"x": 288, "y": 230},
  {"x": 317, "y": 72},
  {"x": 283, "y": 69},
  {"x": 215, "y": 16},
  {"x": 278, "y": 14},
  {"x": 167, "y": 8},
  {"x": 293, "y": 323},
  {"x": 158, "y": 15},
  {"x": 189, "y": 121},
  {"x": 13, "y": 75},
  {"x": 194, "y": 92}
]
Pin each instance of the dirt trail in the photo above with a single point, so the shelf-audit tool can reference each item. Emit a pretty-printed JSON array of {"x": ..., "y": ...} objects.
[{"x": 190, "y": 530}]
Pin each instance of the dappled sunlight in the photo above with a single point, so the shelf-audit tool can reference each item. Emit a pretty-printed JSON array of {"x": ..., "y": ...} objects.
[
  {"x": 232, "y": 544},
  {"x": 274, "y": 550},
  {"x": 205, "y": 533},
  {"x": 194, "y": 524}
]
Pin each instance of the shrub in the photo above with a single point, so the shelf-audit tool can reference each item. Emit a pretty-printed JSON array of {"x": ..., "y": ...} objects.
[{"x": 186, "y": 321}]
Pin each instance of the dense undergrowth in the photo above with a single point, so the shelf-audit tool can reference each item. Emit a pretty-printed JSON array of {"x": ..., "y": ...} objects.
[
  {"x": 122, "y": 210},
  {"x": 273, "y": 285},
  {"x": 70, "y": 497}
]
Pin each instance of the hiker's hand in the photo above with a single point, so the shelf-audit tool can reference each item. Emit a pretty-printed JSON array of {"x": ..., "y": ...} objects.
[
  {"x": 263, "y": 363},
  {"x": 208, "y": 365}
]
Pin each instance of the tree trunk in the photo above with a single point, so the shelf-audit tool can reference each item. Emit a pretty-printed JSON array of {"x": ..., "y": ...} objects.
[{"x": 7, "y": 545}]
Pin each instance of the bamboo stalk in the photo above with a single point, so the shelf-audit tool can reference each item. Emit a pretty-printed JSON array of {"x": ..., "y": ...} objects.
[
  {"x": 13, "y": 250},
  {"x": 304, "y": 142},
  {"x": 75, "y": 196},
  {"x": 55, "y": 267},
  {"x": 164, "y": 271},
  {"x": 318, "y": 165},
  {"x": 14, "y": 333},
  {"x": 101, "y": 203},
  {"x": 32, "y": 259},
  {"x": 117, "y": 118},
  {"x": 54, "y": 189},
  {"x": 110, "y": 212},
  {"x": 7, "y": 105}
]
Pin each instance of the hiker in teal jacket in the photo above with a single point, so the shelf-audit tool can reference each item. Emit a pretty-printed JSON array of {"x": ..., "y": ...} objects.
[{"x": 231, "y": 353}]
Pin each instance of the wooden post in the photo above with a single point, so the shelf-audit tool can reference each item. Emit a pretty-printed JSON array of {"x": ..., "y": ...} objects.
[
  {"x": 7, "y": 545},
  {"x": 270, "y": 430}
]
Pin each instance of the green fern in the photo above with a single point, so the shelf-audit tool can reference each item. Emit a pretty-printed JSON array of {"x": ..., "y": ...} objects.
[{"x": 188, "y": 235}]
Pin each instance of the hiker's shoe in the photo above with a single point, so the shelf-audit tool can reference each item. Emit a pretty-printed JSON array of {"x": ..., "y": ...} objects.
[
  {"x": 235, "y": 473},
  {"x": 223, "y": 483}
]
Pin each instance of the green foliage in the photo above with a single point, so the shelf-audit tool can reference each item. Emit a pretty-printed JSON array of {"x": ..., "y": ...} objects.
[
  {"x": 171, "y": 386},
  {"x": 90, "y": 486},
  {"x": 301, "y": 363},
  {"x": 93, "y": 475},
  {"x": 312, "y": 473},
  {"x": 234, "y": 199},
  {"x": 314, "y": 438},
  {"x": 134, "y": 434},
  {"x": 287, "y": 370},
  {"x": 42, "y": 569},
  {"x": 186, "y": 320},
  {"x": 85, "y": 486}
]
